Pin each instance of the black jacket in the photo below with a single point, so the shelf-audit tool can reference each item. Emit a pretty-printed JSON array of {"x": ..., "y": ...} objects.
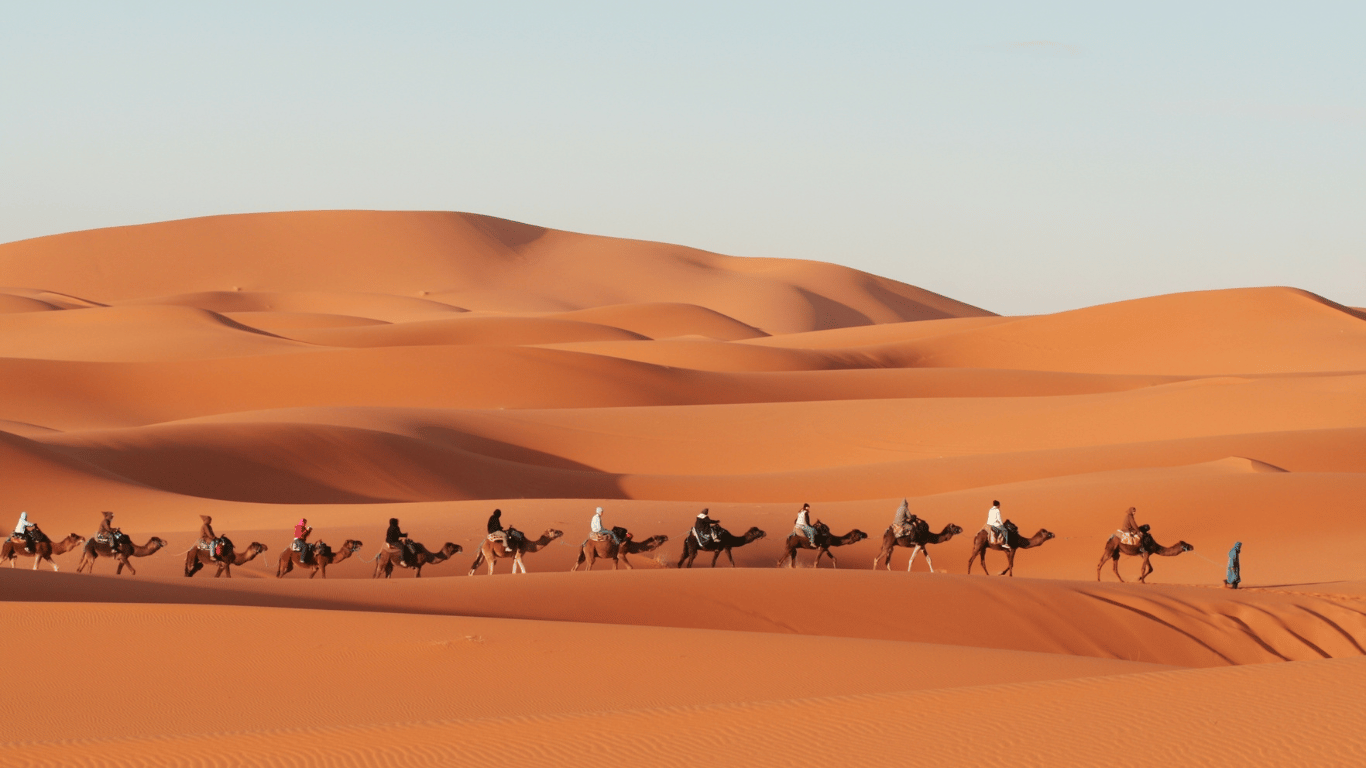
[
  {"x": 394, "y": 535},
  {"x": 495, "y": 521}
]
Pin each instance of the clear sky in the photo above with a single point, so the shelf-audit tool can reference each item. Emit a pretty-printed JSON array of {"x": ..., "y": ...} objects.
[{"x": 1021, "y": 156}]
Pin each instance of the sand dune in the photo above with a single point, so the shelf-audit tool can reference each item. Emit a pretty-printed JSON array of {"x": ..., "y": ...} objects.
[
  {"x": 349, "y": 367},
  {"x": 470, "y": 261}
]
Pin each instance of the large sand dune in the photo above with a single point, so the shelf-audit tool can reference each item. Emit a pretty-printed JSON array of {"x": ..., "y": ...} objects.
[{"x": 355, "y": 366}]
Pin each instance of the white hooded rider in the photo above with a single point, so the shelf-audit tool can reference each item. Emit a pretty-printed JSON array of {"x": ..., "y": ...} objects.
[{"x": 600, "y": 530}]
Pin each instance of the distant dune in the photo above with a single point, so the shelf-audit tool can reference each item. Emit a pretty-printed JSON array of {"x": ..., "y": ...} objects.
[{"x": 353, "y": 366}]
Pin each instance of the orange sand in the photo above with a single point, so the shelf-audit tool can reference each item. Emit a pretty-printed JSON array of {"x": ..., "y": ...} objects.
[{"x": 353, "y": 366}]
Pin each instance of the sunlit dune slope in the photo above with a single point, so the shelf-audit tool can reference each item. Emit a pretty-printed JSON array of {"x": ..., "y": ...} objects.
[
  {"x": 1265, "y": 330},
  {"x": 470, "y": 261},
  {"x": 1260, "y": 715},
  {"x": 1172, "y": 625},
  {"x": 439, "y": 656}
]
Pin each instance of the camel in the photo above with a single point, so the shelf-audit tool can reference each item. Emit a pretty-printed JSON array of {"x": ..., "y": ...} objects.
[
  {"x": 197, "y": 558},
  {"x": 323, "y": 556},
  {"x": 592, "y": 549},
  {"x": 390, "y": 558},
  {"x": 824, "y": 541},
  {"x": 94, "y": 550},
  {"x": 490, "y": 551},
  {"x": 11, "y": 550},
  {"x": 917, "y": 541},
  {"x": 980, "y": 546},
  {"x": 1145, "y": 549},
  {"x": 727, "y": 541}
]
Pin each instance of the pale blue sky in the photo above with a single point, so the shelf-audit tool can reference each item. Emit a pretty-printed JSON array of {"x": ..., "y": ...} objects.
[{"x": 1025, "y": 157}]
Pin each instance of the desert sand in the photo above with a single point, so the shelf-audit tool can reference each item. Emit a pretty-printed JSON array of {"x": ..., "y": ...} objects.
[{"x": 352, "y": 366}]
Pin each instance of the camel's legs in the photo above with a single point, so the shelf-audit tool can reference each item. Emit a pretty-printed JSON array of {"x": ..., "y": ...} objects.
[
  {"x": 928, "y": 561},
  {"x": 914, "y": 551},
  {"x": 714, "y": 557},
  {"x": 1010, "y": 563},
  {"x": 1115, "y": 560},
  {"x": 834, "y": 563},
  {"x": 123, "y": 563},
  {"x": 730, "y": 557}
]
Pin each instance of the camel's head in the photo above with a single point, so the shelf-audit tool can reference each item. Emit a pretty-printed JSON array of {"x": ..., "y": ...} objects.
[
  {"x": 75, "y": 538},
  {"x": 955, "y": 529},
  {"x": 451, "y": 548},
  {"x": 157, "y": 542},
  {"x": 257, "y": 547},
  {"x": 1047, "y": 534},
  {"x": 553, "y": 534},
  {"x": 1186, "y": 547},
  {"x": 351, "y": 545},
  {"x": 754, "y": 533},
  {"x": 857, "y": 535},
  {"x": 653, "y": 543}
]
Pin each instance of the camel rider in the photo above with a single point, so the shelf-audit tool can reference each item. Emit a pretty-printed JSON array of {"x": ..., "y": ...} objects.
[
  {"x": 1132, "y": 532},
  {"x": 301, "y": 532},
  {"x": 107, "y": 532},
  {"x": 997, "y": 525},
  {"x": 706, "y": 529},
  {"x": 24, "y": 530},
  {"x": 803, "y": 525},
  {"x": 904, "y": 524},
  {"x": 207, "y": 536},
  {"x": 397, "y": 539},
  {"x": 601, "y": 531},
  {"x": 497, "y": 533}
]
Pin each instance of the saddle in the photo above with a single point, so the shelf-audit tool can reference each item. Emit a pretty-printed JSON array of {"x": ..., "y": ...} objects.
[
  {"x": 993, "y": 537},
  {"x": 509, "y": 538},
  {"x": 712, "y": 533},
  {"x": 18, "y": 538},
  {"x": 214, "y": 548},
  {"x": 304, "y": 549},
  {"x": 1134, "y": 539},
  {"x": 621, "y": 534}
]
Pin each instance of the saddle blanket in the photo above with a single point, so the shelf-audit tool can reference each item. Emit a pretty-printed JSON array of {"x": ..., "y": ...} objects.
[{"x": 1131, "y": 539}]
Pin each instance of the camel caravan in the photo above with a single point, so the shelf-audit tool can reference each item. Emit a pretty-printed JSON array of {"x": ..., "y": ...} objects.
[{"x": 613, "y": 543}]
